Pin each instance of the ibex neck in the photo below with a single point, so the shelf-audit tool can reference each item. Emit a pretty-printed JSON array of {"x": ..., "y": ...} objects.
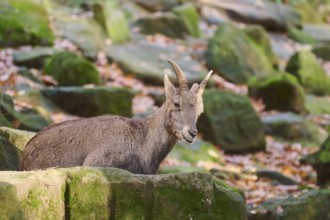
[{"x": 160, "y": 139}]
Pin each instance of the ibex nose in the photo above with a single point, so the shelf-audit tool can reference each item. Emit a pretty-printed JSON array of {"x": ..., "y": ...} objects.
[{"x": 192, "y": 132}]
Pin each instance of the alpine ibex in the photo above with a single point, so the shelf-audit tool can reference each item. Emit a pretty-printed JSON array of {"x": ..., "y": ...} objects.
[{"x": 137, "y": 145}]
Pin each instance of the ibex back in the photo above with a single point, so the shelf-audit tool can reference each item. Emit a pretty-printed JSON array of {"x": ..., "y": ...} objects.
[{"x": 137, "y": 145}]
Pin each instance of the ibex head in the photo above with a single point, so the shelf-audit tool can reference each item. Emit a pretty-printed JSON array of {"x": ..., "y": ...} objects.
[{"x": 184, "y": 105}]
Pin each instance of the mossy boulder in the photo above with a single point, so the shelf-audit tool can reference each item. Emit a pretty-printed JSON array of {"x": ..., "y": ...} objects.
[
  {"x": 9, "y": 155},
  {"x": 158, "y": 5},
  {"x": 312, "y": 205},
  {"x": 84, "y": 32},
  {"x": 69, "y": 69},
  {"x": 109, "y": 193},
  {"x": 294, "y": 128},
  {"x": 189, "y": 16},
  {"x": 322, "y": 52},
  {"x": 149, "y": 67},
  {"x": 321, "y": 162},
  {"x": 26, "y": 119},
  {"x": 166, "y": 23},
  {"x": 24, "y": 23},
  {"x": 87, "y": 194},
  {"x": 260, "y": 37},
  {"x": 16, "y": 137},
  {"x": 34, "y": 58},
  {"x": 309, "y": 72},
  {"x": 300, "y": 36},
  {"x": 272, "y": 16},
  {"x": 10, "y": 207},
  {"x": 309, "y": 12},
  {"x": 280, "y": 91},
  {"x": 196, "y": 152},
  {"x": 112, "y": 19},
  {"x": 318, "y": 105},
  {"x": 319, "y": 32},
  {"x": 12, "y": 143},
  {"x": 230, "y": 121},
  {"x": 40, "y": 195},
  {"x": 89, "y": 102},
  {"x": 234, "y": 56}
]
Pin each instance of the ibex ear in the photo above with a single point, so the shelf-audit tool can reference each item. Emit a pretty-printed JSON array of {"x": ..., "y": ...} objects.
[
  {"x": 169, "y": 88},
  {"x": 194, "y": 88}
]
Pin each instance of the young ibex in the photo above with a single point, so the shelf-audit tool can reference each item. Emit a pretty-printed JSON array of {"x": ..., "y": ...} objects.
[{"x": 137, "y": 145}]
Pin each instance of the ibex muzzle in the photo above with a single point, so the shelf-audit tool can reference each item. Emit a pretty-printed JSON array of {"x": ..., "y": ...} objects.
[{"x": 137, "y": 145}]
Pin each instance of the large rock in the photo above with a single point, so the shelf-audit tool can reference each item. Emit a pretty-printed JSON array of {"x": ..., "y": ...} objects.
[
  {"x": 230, "y": 121},
  {"x": 112, "y": 19},
  {"x": 292, "y": 127},
  {"x": 109, "y": 193},
  {"x": 195, "y": 153},
  {"x": 40, "y": 194},
  {"x": 69, "y": 69},
  {"x": 89, "y": 102},
  {"x": 280, "y": 91},
  {"x": 34, "y": 58},
  {"x": 85, "y": 32},
  {"x": 272, "y": 16},
  {"x": 309, "y": 72},
  {"x": 322, "y": 52},
  {"x": 24, "y": 23},
  {"x": 151, "y": 65},
  {"x": 318, "y": 105},
  {"x": 9, "y": 155},
  {"x": 158, "y": 5},
  {"x": 189, "y": 16},
  {"x": 10, "y": 207},
  {"x": 166, "y": 23},
  {"x": 235, "y": 57},
  {"x": 12, "y": 143},
  {"x": 319, "y": 32},
  {"x": 16, "y": 137},
  {"x": 26, "y": 119},
  {"x": 300, "y": 36},
  {"x": 321, "y": 162},
  {"x": 260, "y": 37},
  {"x": 312, "y": 205}
]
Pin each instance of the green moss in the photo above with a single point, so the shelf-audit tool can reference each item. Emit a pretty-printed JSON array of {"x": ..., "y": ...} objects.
[
  {"x": 87, "y": 194},
  {"x": 69, "y": 69},
  {"x": 195, "y": 152},
  {"x": 189, "y": 16},
  {"x": 230, "y": 121},
  {"x": 300, "y": 36},
  {"x": 324, "y": 152},
  {"x": 24, "y": 23},
  {"x": 32, "y": 201},
  {"x": 113, "y": 20},
  {"x": 9, "y": 155},
  {"x": 17, "y": 137},
  {"x": 166, "y": 23},
  {"x": 260, "y": 37},
  {"x": 130, "y": 199},
  {"x": 279, "y": 92},
  {"x": 309, "y": 72},
  {"x": 10, "y": 207},
  {"x": 318, "y": 105},
  {"x": 232, "y": 203},
  {"x": 234, "y": 56}
]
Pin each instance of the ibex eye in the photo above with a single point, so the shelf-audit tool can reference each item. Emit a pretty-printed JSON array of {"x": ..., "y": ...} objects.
[{"x": 176, "y": 105}]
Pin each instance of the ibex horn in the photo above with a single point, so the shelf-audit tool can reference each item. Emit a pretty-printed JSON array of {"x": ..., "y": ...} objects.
[
  {"x": 183, "y": 83},
  {"x": 202, "y": 85}
]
